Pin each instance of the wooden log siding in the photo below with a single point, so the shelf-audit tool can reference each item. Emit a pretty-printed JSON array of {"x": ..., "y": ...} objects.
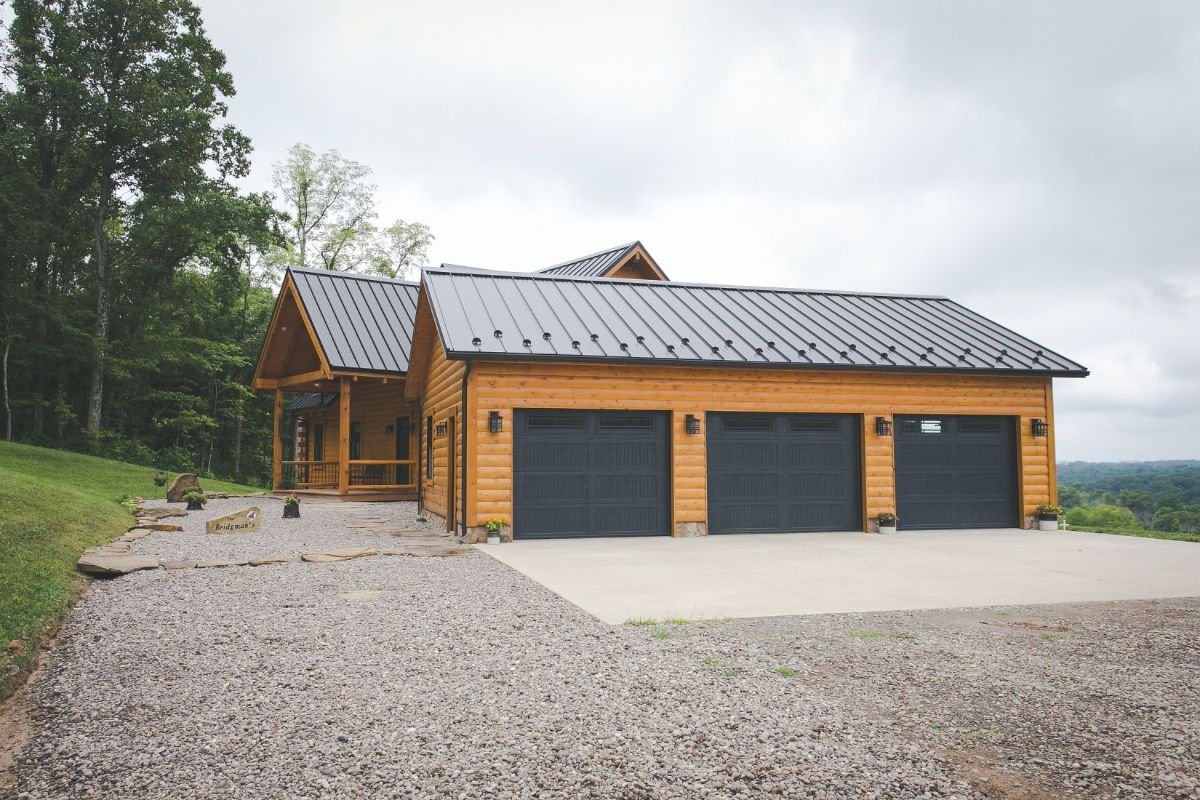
[
  {"x": 373, "y": 404},
  {"x": 503, "y": 386},
  {"x": 442, "y": 394}
]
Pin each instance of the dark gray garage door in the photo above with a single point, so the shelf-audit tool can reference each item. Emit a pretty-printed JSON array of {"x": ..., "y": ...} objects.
[
  {"x": 784, "y": 472},
  {"x": 591, "y": 473},
  {"x": 956, "y": 472}
]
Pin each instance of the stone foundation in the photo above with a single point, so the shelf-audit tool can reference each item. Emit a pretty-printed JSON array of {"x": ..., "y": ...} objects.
[{"x": 684, "y": 529}]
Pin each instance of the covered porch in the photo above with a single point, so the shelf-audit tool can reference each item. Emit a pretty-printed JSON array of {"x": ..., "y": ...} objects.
[
  {"x": 336, "y": 359},
  {"x": 352, "y": 437}
]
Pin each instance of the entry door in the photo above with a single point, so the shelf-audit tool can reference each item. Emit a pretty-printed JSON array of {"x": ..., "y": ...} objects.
[
  {"x": 591, "y": 473},
  {"x": 956, "y": 472},
  {"x": 318, "y": 442},
  {"x": 771, "y": 473}
]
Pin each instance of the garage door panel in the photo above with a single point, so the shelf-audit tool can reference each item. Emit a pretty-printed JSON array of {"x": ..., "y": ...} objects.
[
  {"x": 815, "y": 487},
  {"x": 783, "y": 472},
  {"x": 742, "y": 487},
  {"x": 625, "y": 520},
  {"x": 623, "y": 455},
  {"x": 553, "y": 455},
  {"x": 551, "y": 486},
  {"x": 817, "y": 516},
  {"x": 747, "y": 517},
  {"x": 747, "y": 455},
  {"x": 976, "y": 484},
  {"x": 560, "y": 521},
  {"x": 928, "y": 483},
  {"x": 956, "y": 472},
  {"x": 981, "y": 456},
  {"x": 590, "y": 473},
  {"x": 624, "y": 488},
  {"x": 814, "y": 454},
  {"x": 919, "y": 453}
]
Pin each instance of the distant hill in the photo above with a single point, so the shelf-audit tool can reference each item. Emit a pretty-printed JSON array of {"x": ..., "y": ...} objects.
[{"x": 1158, "y": 478}]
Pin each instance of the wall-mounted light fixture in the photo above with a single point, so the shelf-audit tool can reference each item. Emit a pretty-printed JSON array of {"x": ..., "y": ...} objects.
[
  {"x": 691, "y": 424},
  {"x": 495, "y": 422},
  {"x": 1039, "y": 428},
  {"x": 440, "y": 429},
  {"x": 883, "y": 426}
]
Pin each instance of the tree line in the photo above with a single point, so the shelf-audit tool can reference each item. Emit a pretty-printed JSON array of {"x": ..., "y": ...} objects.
[
  {"x": 137, "y": 277},
  {"x": 1153, "y": 495}
]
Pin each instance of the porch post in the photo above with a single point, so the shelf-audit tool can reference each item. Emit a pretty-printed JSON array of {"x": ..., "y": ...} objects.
[
  {"x": 344, "y": 437},
  {"x": 277, "y": 450}
]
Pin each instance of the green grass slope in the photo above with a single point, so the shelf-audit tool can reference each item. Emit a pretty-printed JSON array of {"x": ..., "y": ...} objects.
[{"x": 54, "y": 505}]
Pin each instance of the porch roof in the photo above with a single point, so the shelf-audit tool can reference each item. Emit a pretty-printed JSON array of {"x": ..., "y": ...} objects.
[{"x": 362, "y": 323}]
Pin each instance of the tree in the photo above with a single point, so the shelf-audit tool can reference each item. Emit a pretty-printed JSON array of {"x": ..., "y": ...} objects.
[
  {"x": 127, "y": 256},
  {"x": 150, "y": 89},
  {"x": 330, "y": 209},
  {"x": 404, "y": 248},
  {"x": 329, "y": 204}
]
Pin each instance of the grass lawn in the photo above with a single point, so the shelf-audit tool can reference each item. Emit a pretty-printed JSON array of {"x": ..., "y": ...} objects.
[
  {"x": 54, "y": 505},
  {"x": 1145, "y": 534}
]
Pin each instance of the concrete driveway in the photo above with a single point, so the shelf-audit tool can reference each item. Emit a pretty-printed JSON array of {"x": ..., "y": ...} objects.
[{"x": 815, "y": 573}]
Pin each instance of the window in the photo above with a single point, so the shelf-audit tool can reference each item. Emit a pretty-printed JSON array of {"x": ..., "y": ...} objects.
[
  {"x": 318, "y": 442},
  {"x": 429, "y": 447},
  {"x": 626, "y": 422},
  {"x": 748, "y": 423},
  {"x": 567, "y": 422},
  {"x": 355, "y": 441},
  {"x": 810, "y": 425}
]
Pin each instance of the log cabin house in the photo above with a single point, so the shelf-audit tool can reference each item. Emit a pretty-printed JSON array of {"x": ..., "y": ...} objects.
[{"x": 598, "y": 398}]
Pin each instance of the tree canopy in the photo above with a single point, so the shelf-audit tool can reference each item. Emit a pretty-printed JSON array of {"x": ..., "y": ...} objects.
[{"x": 136, "y": 277}]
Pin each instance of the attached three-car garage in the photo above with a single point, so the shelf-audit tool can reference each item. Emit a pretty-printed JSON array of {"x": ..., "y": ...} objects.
[{"x": 607, "y": 473}]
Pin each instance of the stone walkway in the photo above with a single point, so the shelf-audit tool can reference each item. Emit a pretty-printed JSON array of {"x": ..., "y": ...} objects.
[{"x": 170, "y": 538}]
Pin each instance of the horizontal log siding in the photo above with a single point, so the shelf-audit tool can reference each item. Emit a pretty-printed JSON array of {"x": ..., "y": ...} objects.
[
  {"x": 374, "y": 404},
  {"x": 503, "y": 386},
  {"x": 441, "y": 397}
]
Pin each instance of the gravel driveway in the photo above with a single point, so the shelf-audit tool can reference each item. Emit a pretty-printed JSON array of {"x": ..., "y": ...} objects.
[
  {"x": 322, "y": 526},
  {"x": 457, "y": 677}
]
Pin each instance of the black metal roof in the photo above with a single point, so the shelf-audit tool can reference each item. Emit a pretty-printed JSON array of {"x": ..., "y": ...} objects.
[
  {"x": 517, "y": 316},
  {"x": 308, "y": 400},
  {"x": 363, "y": 323},
  {"x": 594, "y": 266}
]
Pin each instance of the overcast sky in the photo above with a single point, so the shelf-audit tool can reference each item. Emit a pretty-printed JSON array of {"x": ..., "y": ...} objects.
[{"x": 1038, "y": 162}]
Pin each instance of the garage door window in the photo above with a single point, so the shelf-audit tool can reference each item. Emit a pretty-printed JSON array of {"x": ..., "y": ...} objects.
[
  {"x": 626, "y": 422},
  {"x": 561, "y": 422}
]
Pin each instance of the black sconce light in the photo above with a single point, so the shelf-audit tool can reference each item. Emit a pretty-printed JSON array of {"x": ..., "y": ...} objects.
[
  {"x": 1039, "y": 428},
  {"x": 440, "y": 429},
  {"x": 495, "y": 422},
  {"x": 883, "y": 426},
  {"x": 691, "y": 423}
]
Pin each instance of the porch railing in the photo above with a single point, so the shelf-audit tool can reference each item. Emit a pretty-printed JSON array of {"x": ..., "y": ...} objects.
[
  {"x": 309, "y": 474},
  {"x": 393, "y": 474}
]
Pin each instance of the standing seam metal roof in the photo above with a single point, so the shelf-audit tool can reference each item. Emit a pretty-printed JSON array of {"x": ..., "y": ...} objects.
[
  {"x": 519, "y": 315},
  {"x": 363, "y": 323},
  {"x": 309, "y": 400},
  {"x": 593, "y": 266}
]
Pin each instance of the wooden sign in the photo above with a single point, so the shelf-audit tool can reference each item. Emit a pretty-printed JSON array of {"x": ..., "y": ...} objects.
[{"x": 238, "y": 522}]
